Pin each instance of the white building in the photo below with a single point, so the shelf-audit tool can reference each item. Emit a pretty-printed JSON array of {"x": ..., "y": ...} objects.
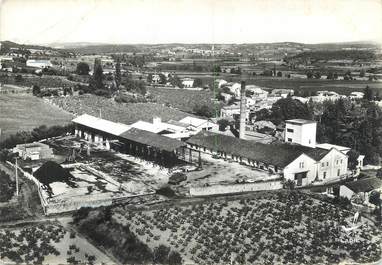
[
  {"x": 256, "y": 91},
  {"x": 356, "y": 95},
  {"x": 283, "y": 93},
  {"x": 220, "y": 82},
  {"x": 232, "y": 111},
  {"x": 39, "y": 63},
  {"x": 196, "y": 125},
  {"x": 301, "y": 132},
  {"x": 300, "y": 164},
  {"x": 188, "y": 82},
  {"x": 33, "y": 151},
  {"x": 234, "y": 88}
]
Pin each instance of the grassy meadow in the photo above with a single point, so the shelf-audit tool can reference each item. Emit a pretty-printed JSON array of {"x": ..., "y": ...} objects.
[{"x": 23, "y": 112}]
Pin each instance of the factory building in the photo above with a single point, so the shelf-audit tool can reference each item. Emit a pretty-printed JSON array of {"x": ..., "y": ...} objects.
[{"x": 126, "y": 139}]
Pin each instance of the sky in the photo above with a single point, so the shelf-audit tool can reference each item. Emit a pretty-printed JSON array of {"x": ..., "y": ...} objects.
[{"x": 190, "y": 21}]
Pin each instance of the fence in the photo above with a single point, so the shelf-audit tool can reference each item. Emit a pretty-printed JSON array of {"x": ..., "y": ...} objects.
[{"x": 235, "y": 188}]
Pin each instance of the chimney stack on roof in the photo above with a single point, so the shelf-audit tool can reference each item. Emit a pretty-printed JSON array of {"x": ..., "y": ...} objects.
[
  {"x": 242, "y": 111},
  {"x": 157, "y": 121}
]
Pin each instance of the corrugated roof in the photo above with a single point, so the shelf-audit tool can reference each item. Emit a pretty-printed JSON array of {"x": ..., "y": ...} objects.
[
  {"x": 101, "y": 124},
  {"x": 152, "y": 139},
  {"x": 364, "y": 185},
  {"x": 300, "y": 121},
  {"x": 275, "y": 154},
  {"x": 196, "y": 122}
]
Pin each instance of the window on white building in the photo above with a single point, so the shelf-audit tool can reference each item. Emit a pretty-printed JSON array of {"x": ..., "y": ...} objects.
[
  {"x": 289, "y": 139},
  {"x": 290, "y": 130},
  {"x": 301, "y": 164},
  {"x": 324, "y": 176},
  {"x": 327, "y": 164},
  {"x": 338, "y": 172},
  {"x": 322, "y": 164}
]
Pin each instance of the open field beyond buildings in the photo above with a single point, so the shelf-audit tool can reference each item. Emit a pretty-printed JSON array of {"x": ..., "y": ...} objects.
[
  {"x": 182, "y": 99},
  {"x": 312, "y": 85},
  {"x": 49, "y": 243},
  {"x": 300, "y": 85},
  {"x": 118, "y": 112},
  {"x": 25, "y": 112},
  {"x": 270, "y": 228},
  {"x": 45, "y": 81}
]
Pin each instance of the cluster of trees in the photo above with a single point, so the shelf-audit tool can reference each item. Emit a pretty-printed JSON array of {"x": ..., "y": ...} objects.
[
  {"x": 136, "y": 86},
  {"x": 205, "y": 110},
  {"x": 311, "y": 74},
  {"x": 357, "y": 125},
  {"x": 82, "y": 68},
  {"x": 331, "y": 55},
  {"x": 36, "y": 134},
  {"x": 284, "y": 109},
  {"x": 236, "y": 71}
]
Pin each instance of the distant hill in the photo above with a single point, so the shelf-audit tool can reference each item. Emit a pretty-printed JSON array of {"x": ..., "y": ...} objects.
[
  {"x": 7, "y": 45},
  {"x": 331, "y": 55}
]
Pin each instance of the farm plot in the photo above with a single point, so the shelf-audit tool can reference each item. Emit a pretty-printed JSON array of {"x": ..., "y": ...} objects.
[
  {"x": 182, "y": 99},
  {"x": 47, "y": 243},
  {"x": 313, "y": 85},
  {"x": 23, "y": 112},
  {"x": 118, "y": 112},
  {"x": 277, "y": 228},
  {"x": 43, "y": 81}
]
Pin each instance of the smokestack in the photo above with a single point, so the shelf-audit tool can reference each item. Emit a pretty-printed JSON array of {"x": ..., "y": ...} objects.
[{"x": 242, "y": 111}]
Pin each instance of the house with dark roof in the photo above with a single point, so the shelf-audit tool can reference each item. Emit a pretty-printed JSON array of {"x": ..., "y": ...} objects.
[
  {"x": 298, "y": 163},
  {"x": 362, "y": 188}
]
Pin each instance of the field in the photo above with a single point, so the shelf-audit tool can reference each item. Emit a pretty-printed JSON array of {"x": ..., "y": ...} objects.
[
  {"x": 24, "y": 112},
  {"x": 312, "y": 85},
  {"x": 182, "y": 99},
  {"x": 48, "y": 243},
  {"x": 118, "y": 112},
  {"x": 45, "y": 81},
  {"x": 299, "y": 85},
  {"x": 272, "y": 228}
]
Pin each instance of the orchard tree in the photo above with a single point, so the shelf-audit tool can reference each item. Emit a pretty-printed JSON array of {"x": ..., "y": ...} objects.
[
  {"x": 309, "y": 75},
  {"x": 36, "y": 90}
]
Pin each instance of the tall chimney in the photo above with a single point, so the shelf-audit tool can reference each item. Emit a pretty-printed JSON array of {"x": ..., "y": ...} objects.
[{"x": 242, "y": 111}]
